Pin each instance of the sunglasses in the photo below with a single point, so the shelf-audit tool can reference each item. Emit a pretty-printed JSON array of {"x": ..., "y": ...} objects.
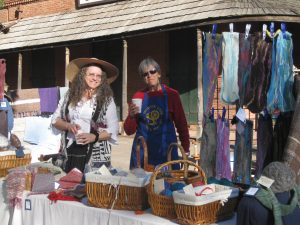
[{"x": 150, "y": 72}]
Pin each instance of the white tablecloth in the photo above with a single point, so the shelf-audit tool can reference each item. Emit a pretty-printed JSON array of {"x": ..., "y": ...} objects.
[{"x": 43, "y": 212}]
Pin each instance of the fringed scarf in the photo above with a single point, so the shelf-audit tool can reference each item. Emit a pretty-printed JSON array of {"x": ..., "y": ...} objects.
[{"x": 16, "y": 185}]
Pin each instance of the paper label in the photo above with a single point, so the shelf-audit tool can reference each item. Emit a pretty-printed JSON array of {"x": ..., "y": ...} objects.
[
  {"x": 27, "y": 204},
  {"x": 56, "y": 185},
  {"x": 3, "y": 104},
  {"x": 104, "y": 171},
  {"x": 251, "y": 191},
  {"x": 265, "y": 181},
  {"x": 159, "y": 185},
  {"x": 241, "y": 115},
  {"x": 189, "y": 189}
]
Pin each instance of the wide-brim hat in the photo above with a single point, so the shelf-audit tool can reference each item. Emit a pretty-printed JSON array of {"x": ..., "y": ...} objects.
[{"x": 75, "y": 66}]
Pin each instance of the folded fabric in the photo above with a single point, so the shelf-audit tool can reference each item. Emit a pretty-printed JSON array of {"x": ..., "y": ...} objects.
[
  {"x": 78, "y": 191},
  {"x": 43, "y": 183},
  {"x": 72, "y": 178},
  {"x": 20, "y": 153}
]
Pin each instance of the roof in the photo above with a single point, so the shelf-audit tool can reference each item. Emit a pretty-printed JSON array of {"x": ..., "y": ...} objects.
[{"x": 124, "y": 17}]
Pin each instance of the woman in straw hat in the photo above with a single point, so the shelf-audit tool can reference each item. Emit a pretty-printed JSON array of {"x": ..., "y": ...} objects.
[{"x": 87, "y": 115}]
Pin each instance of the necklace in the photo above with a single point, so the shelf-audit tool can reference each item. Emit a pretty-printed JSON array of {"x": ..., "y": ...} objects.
[{"x": 90, "y": 93}]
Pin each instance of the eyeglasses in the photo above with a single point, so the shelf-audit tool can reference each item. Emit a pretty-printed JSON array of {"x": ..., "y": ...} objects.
[
  {"x": 150, "y": 72},
  {"x": 97, "y": 76}
]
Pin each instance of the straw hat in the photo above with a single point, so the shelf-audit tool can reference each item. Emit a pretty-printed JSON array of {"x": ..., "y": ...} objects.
[{"x": 75, "y": 66}]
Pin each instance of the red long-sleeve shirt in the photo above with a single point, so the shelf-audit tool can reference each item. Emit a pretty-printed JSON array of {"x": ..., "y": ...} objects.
[{"x": 176, "y": 114}]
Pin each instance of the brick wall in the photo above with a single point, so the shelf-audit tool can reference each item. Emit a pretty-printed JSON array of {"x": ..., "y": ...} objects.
[{"x": 35, "y": 8}]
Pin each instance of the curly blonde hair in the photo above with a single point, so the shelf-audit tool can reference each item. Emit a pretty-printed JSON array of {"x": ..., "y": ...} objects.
[{"x": 79, "y": 86}]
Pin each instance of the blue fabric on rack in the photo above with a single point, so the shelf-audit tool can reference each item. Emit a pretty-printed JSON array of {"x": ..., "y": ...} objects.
[
  {"x": 230, "y": 53},
  {"x": 280, "y": 95}
]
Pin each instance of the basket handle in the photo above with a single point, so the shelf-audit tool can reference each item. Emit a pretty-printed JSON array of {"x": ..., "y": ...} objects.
[
  {"x": 140, "y": 140},
  {"x": 184, "y": 157},
  {"x": 186, "y": 164},
  {"x": 171, "y": 147}
]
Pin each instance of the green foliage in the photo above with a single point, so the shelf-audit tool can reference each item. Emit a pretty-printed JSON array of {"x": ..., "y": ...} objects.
[{"x": 1, "y": 4}]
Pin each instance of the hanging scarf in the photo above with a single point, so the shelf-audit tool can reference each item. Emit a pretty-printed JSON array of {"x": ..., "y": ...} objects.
[
  {"x": 211, "y": 64},
  {"x": 223, "y": 169}
]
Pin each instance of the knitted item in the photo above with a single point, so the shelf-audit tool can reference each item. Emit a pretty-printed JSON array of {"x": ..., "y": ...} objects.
[
  {"x": 55, "y": 196},
  {"x": 269, "y": 200},
  {"x": 16, "y": 185},
  {"x": 69, "y": 181},
  {"x": 284, "y": 177}
]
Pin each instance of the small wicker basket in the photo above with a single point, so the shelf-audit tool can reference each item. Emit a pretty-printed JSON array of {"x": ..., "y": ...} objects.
[
  {"x": 164, "y": 205},
  {"x": 8, "y": 160},
  {"x": 208, "y": 212},
  {"x": 117, "y": 195}
]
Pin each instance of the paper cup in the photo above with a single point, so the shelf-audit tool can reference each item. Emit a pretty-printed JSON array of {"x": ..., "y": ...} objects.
[
  {"x": 78, "y": 132},
  {"x": 138, "y": 103}
]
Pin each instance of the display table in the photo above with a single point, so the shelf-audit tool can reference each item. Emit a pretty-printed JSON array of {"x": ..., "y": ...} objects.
[
  {"x": 43, "y": 212},
  {"x": 38, "y": 210}
]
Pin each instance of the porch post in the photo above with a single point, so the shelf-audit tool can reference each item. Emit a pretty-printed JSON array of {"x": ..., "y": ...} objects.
[
  {"x": 199, "y": 80},
  {"x": 20, "y": 60},
  {"x": 124, "y": 82},
  {"x": 67, "y": 60}
]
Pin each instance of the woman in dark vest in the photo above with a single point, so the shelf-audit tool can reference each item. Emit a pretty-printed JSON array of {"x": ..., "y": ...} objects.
[
  {"x": 87, "y": 115},
  {"x": 157, "y": 117}
]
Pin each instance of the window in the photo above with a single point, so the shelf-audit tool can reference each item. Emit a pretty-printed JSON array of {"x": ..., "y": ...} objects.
[{"x": 85, "y": 3}]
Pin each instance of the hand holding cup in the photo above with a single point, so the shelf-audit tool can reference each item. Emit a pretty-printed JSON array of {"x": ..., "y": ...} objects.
[{"x": 135, "y": 107}]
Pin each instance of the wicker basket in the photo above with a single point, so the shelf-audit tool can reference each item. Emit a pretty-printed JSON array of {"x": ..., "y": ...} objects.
[
  {"x": 8, "y": 160},
  {"x": 163, "y": 205},
  {"x": 207, "y": 212},
  {"x": 114, "y": 194}
]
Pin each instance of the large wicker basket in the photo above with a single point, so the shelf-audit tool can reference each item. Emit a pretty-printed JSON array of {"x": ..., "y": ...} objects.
[
  {"x": 126, "y": 193},
  {"x": 8, "y": 160},
  {"x": 164, "y": 205},
  {"x": 205, "y": 210}
]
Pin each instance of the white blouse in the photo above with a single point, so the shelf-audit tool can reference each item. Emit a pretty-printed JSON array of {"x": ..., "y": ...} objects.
[{"x": 82, "y": 114}]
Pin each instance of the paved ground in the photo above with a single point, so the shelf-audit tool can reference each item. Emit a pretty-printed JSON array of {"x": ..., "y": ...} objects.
[{"x": 120, "y": 153}]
